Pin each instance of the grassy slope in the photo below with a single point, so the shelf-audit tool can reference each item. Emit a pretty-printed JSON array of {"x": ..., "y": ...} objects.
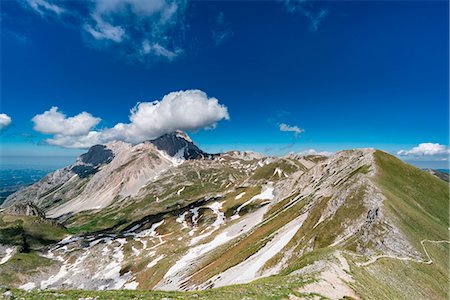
[
  {"x": 419, "y": 202},
  {"x": 199, "y": 184},
  {"x": 29, "y": 230},
  {"x": 28, "y": 234},
  {"x": 276, "y": 287},
  {"x": 416, "y": 200}
]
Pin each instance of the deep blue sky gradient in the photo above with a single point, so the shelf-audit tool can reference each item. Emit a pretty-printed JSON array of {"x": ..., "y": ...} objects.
[{"x": 374, "y": 74}]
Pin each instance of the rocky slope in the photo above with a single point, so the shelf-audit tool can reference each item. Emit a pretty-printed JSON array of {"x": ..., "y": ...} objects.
[
  {"x": 165, "y": 215},
  {"x": 439, "y": 174}
]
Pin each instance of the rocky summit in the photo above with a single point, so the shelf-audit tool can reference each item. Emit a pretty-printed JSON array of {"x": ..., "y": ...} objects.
[{"x": 164, "y": 217}]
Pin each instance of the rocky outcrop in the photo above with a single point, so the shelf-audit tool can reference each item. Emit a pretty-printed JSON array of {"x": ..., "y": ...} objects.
[
  {"x": 89, "y": 163},
  {"x": 24, "y": 209},
  {"x": 179, "y": 144}
]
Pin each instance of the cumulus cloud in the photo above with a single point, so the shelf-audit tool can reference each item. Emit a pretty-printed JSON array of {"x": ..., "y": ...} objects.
[
  {"x": 295, "y": 129},
  {"x": 426, "y": 150},
  {"x": 55, "y": 122},
  {"x": 5, "y": 121},
  {"x": 189, "y": 110},
  {"x": 314, "y": 152}
]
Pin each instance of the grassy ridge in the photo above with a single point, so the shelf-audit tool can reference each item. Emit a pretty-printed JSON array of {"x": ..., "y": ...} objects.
[{"x": 417, "y": 200}]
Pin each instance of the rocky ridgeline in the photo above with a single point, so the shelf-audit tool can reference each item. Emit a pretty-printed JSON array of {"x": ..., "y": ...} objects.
[{"x": 163, "y": 214}]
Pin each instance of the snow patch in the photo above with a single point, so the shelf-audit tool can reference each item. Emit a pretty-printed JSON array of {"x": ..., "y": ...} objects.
[
  {"x": 155, "y": 261},
  {"x": 240, "y": 195},
  {"x": 250, "y": 269},
  {"x": 180, "y": 190},
  {"x": 266, "y": 194},
  {"x": 28, "y": 286},
  {"x": 220, "y": 220},
  {"x": 8, "y": 255},
  {"x": 179, "y": 271},
  {"x": 131, "y": 285}
]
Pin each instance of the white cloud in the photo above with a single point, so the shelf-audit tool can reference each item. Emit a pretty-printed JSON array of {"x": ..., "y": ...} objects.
[
  {"x": 55, "y": 122},
  {"x": 189, "y": 110},
  {"x": 43, "y": 6},
  {"x": 104, "y": 31},
  {"x": 314, "y": 152},
  {"x": 142, "y": 26},
  {"x": 295, "y": 129},
  {"x": 160, "y": 51},
  {"x": 308, "y": 10},
  {"x": 126, "y": 25},
  {"x": 5, "y": 121},
  {"x": 426, "y": 150}
]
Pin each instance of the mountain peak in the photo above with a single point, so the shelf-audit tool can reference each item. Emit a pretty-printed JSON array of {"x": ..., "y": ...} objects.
[
  {"x": 178, "y": 143},
  {"x": 183, "y": 135}
]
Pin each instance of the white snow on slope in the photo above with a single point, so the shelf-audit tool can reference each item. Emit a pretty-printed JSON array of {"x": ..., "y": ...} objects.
[
  {"x": 182, "y": 220},
  {"x": 107, "y": 251},
  {"x": 278, "y": 172},
  {"x": 8, "y": 255},
  {"x": 220, "y": 220},
  {"x": 240, "y": 195},
  {"x": 250, "y": 269},
  {"x": 155, "y": 261},
  {"x": 28, "y": 286},
  {"x": 180, "y": 190},
  {"x": 131, "y": 285},
  {"x": 195, "y": 215},
  {"x": 180, "y": 270},
  {"x": 266, "y": 194}
]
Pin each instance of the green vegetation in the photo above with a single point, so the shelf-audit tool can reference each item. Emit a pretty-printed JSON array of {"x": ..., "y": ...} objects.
[
  {"x": 230, "y": 203},
  {"x": 395, "y": 279},
  {"x": 29, "y": 232},
  {"x": 200, "y": 182},
  {"x": 239, "y": 250},
  {"x": 275, "y": 287},
  {"x": 417, "y": 200},
  {"x": 268, "y": 171},
  {"x": 22, "y": 265}
]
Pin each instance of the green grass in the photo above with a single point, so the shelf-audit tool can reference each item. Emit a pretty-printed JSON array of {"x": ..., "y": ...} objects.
[
  {"x": 200, "y": 182},
  {"x": 230, "y": 203},
  {"x": 22, "y": 265},
  {"x": 394, "y": 279},
  {"x": 239, "y": 250},
  {"x": 29, "y": 231},
  {"x": 267, "y": 171},
  {"x": 416, "y": 200},
  {"x": 275, "y": 288}
]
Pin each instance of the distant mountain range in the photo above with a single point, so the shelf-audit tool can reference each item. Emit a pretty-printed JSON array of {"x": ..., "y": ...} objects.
[
  {"x": 165, "y": 215},
  {"x": 440, "y": 173}
]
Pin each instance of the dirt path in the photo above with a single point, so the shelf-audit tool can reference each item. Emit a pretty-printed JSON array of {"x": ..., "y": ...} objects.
[{"x": 429, "y": 260}]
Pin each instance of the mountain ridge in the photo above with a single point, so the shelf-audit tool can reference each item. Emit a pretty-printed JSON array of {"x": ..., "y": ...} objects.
[{"x": 235, "y": 217}]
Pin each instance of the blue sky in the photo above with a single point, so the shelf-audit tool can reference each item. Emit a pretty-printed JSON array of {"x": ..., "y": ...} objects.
[{"x": 341, "y": 74}]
